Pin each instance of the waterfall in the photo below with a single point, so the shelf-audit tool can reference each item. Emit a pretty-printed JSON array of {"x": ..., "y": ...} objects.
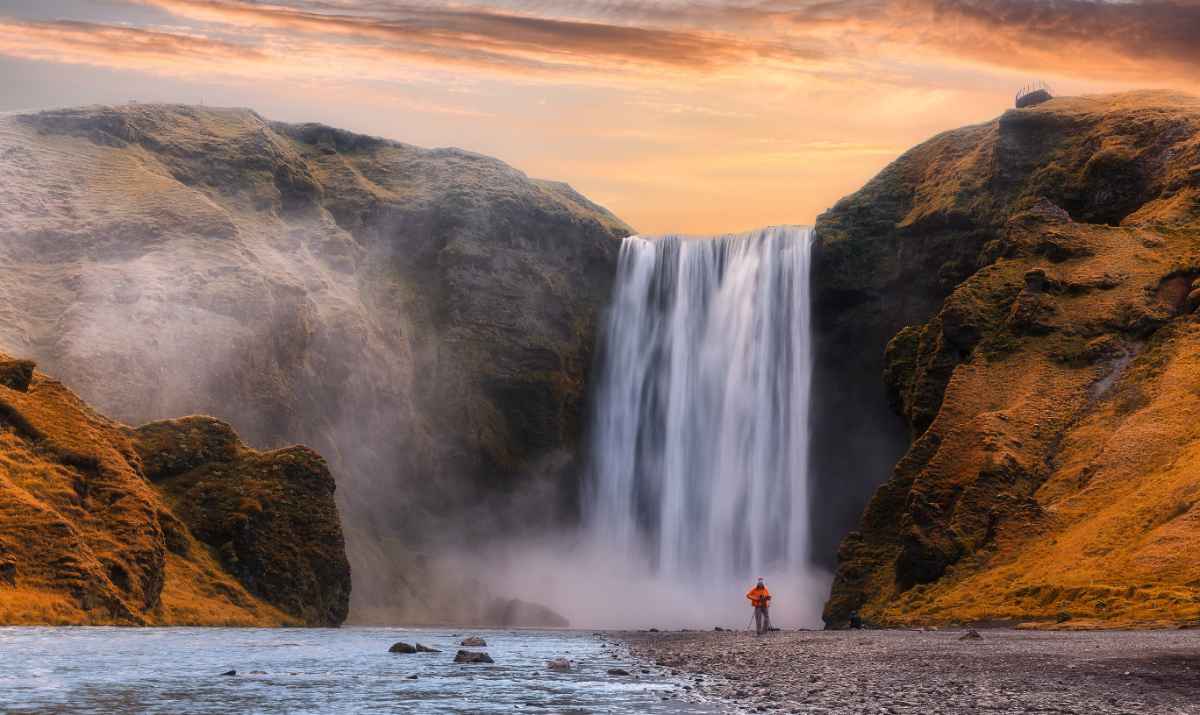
[{"x": 699, "y": 444}]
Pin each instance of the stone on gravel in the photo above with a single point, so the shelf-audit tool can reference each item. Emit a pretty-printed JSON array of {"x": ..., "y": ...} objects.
[{"x": 971, "y": 635}]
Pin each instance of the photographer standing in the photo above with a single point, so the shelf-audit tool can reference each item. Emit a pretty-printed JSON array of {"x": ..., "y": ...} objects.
[{"x": 760, "y": 598}]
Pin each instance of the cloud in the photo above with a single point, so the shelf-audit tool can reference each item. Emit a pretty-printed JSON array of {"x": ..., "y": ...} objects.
[
  {"x": 1086, "y": 38},
  {"x": 610, "y": 41},
  {"x": 83, "y": 42},
  {"x": 492, "y": 35}
]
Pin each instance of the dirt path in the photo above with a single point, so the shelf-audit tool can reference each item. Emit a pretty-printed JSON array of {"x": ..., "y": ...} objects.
[{"x": 934, "y": 672}]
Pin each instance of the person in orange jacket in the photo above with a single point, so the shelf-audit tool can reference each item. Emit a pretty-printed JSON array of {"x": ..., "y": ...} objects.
[{"x": 760, "y": 598}]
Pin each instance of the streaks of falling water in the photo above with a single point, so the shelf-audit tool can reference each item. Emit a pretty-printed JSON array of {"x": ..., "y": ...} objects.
[{"x": 700, "y": 440}]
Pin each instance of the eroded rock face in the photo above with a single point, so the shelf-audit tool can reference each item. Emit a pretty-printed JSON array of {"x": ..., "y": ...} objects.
[
  {"x": 424, "y": 318},
  {"x": 88, "y": 538},
  {"x": 1022, "y": 287},
  {"x": 270, "y": 516}
]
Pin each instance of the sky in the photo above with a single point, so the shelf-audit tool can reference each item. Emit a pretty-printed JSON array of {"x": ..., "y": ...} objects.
[{"x": 705, "y": 116}]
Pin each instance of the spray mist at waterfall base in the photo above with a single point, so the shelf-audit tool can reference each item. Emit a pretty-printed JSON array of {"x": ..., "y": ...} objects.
[
  {"x": 695, "y": 480},
  {"x": 595, "y": 587},
  {"x": 697, "y": 477}
]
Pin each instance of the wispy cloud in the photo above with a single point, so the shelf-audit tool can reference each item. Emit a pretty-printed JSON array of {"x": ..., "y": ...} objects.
[
  {"x": 642, "y": 40},
  {"x": 735, "y": 111}
]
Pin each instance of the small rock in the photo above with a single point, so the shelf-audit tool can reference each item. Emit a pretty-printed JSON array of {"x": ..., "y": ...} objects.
[
  {"x": 426, "y": 649},
  {"x": 618, "y": 671},
  {"x": 467, "y": 656},
  {"x": 16, "y": 374},
  {"x": 229, "y": 672},
  {"x": 558, "y": 664},
  {"x": 412, "y": 677},
  {"x": 402, "y": 648},
  {"x": 653, "y": 630},
  {"x": 8, "y": 572},
  {"x": 1193, "y": 300},
  {"x": 1035, "y": 280},
  {"x": 474, "y": 642},
  {"x": 971, "y": 635}
]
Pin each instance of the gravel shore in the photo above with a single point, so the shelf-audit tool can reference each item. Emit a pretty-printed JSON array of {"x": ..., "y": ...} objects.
[{"x": 933, "y": 672}]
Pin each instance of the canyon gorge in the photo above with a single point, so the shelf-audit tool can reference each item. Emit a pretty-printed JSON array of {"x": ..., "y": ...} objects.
[{"x": 971, "y": 374}]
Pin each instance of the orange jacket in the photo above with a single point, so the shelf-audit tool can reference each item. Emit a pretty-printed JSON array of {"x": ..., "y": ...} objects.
[{"x": 759, "y": 596}]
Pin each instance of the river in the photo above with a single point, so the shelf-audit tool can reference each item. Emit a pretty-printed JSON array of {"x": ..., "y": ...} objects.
[{"x": 347, "y": 670}]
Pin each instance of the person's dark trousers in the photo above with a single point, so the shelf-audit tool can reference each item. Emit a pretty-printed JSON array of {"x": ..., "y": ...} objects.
[{"x": 762, "y": 620}]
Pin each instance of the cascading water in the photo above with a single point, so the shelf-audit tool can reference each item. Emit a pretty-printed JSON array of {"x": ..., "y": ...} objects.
[{"x": 698, "y": 463}]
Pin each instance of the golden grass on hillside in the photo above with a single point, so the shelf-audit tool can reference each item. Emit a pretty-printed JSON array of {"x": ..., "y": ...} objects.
[
  {"x": 1054, "y": 477},
  {"x": 82, "y": 532}
]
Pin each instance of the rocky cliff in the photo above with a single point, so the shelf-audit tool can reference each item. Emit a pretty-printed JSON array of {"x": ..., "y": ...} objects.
[
  {"x": 424, "y": 318},
  {"x": 172, "y": 524},
  {"x": 1023, "y": 294}
]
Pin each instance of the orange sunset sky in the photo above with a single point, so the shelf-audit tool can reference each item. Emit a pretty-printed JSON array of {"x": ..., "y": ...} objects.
[{"x": 700, "y": 117}]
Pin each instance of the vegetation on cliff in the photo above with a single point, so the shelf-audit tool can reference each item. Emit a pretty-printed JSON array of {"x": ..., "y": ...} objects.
[
  {"x": 1034, "y": 280},
  {"x": 172, "y": 524}
]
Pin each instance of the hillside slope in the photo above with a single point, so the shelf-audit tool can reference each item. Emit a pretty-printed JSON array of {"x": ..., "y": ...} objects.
[
  {"x": 95, "y": 529},
  {"x": 424, "y": 318},
  {"x": 1035, "y": 281}
]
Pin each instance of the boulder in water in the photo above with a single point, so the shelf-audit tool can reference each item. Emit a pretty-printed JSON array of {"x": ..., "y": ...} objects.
[
  {"x": 468, "y": 656},
  {"x": 402, "y": 648},
  {"x": 229, "y": 673},
  {"x": 561, "y": 664},
  {"x": 426, "y": 649},
  {"x": 618, "y": 671},
  {"x": 474, "y": 642}
]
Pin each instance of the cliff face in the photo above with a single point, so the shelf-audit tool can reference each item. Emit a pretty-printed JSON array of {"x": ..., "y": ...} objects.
[
  {"x": 88, "y": 537},
  {"x": 424, "y": 318},
  {"x": 1026, "y": 290}
]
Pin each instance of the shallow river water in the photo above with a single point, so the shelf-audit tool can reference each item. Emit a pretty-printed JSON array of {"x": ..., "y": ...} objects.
[{"x": 348, "y": 670}]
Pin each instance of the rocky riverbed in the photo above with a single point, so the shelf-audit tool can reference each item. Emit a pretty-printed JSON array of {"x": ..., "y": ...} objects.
[{"x": 933, "y": 672}]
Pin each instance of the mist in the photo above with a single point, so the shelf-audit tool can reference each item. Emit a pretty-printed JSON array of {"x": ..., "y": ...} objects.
[{"x": 433, "y": 337}]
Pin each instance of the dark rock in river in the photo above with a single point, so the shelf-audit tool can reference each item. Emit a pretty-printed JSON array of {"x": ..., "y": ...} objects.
[
  {"x": 560, "y": 664},
  {"x": 473, "y": 642},
  {"x": 402, "y": 647},
  {"x": 466, "y": 656},
  {"x": 618, "y": 671},
  {"x": 426, "y": 649}
]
